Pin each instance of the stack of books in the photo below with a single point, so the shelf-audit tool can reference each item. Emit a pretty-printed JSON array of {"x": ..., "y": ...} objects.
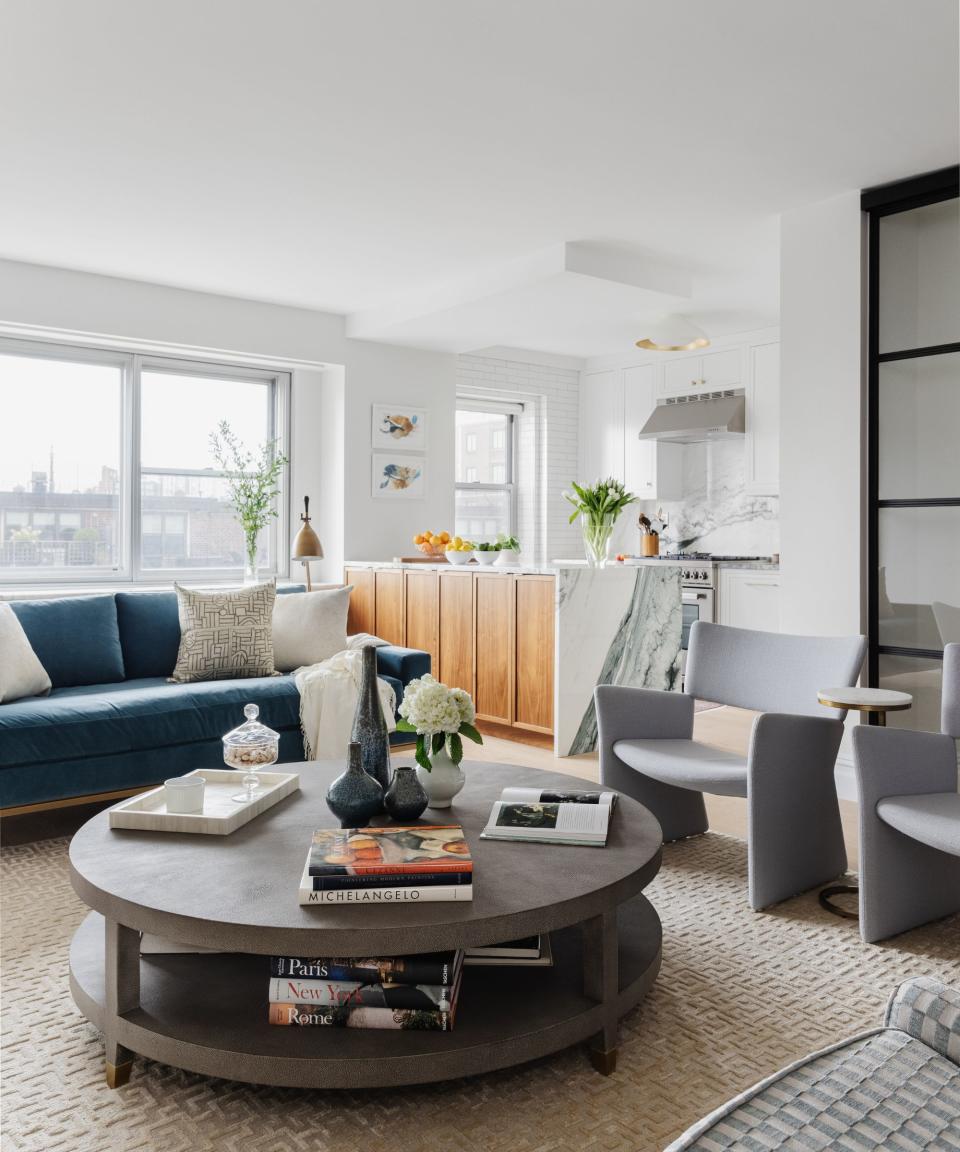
[
  {"x": 396, "y": 865},
  {"x": 417, "y": 993},
  {"x": 528, "y": 952}
]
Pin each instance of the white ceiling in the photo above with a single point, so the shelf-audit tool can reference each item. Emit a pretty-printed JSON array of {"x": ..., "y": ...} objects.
[{"x": 420, "y": 164}]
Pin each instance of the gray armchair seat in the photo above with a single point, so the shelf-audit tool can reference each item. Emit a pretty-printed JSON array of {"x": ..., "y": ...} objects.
[
  {"x": 647, "y": 750},
  {"x": 910, "y": 818}
]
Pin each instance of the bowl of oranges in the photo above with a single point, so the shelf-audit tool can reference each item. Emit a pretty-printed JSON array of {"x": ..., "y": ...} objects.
[{"x": 432, "y": 543}]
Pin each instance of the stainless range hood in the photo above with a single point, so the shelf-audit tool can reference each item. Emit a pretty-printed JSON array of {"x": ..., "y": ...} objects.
[{"x": 694, "y": 419}]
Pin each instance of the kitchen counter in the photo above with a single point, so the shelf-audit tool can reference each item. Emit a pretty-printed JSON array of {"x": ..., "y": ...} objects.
[{"x": 555, "y": 566}]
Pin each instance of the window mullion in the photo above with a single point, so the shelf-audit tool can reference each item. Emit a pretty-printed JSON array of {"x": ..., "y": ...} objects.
[{"x": 134, "y": 486}]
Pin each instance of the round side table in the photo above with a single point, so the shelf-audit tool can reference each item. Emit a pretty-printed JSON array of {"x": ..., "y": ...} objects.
[{"x": 879, "y": 701}]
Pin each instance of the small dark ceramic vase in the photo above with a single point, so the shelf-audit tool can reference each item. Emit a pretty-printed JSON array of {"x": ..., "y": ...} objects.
[
  {"x": 369, "y": 726},
  {"x": 354, "y": 796},
  {"x": 406, "y": 798}
]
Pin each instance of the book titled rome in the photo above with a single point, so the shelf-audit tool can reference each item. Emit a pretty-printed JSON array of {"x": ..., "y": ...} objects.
[
  {"x": 359, "y": 1016},
  {"x": 424, "y": 968}
]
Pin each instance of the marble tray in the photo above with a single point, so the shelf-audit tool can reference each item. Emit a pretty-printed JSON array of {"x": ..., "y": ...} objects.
[{"x": 221, "y": 814}]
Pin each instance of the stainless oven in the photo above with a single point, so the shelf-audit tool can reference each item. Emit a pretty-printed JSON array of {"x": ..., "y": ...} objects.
[{"x": 698, "y": 595}]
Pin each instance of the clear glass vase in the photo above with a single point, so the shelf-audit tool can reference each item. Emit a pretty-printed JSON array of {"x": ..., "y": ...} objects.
[
  {"x": 596, "y": 540},
  {"x": 251, "y": 571}
]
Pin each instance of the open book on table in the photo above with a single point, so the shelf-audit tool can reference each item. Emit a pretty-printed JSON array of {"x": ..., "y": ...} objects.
[{"x": 551, "y": 817}]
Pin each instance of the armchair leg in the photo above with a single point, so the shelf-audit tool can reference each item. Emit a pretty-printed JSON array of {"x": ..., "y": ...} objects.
[{"x": 680, "y": 811}]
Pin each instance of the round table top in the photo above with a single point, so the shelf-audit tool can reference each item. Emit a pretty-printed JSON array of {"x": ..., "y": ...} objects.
[
  {"x": 239, "y": 892},
  {"x": 865, "y": 699}
]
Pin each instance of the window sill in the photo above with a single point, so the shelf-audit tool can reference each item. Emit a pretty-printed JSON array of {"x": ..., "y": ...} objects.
[{"x": 54, "y": 591}]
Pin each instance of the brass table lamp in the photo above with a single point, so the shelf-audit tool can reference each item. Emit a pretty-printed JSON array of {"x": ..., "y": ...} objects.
[{"x": 306, "y": 543}]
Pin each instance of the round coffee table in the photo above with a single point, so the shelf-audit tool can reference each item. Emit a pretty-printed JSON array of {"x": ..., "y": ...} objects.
[{"x": 207, "y": 1012}]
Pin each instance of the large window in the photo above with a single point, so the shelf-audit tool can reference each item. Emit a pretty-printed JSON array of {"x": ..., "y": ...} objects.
[
  {"x": 106, "y": 469},
  {"x": 484, "y": 469}
]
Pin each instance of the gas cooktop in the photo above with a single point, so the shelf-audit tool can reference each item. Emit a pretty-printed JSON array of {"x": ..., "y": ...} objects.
[{"x": 704, "y": 557}]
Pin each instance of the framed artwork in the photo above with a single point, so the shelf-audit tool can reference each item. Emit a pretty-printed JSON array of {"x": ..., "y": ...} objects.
[
  {"x": 395, "y": 427},
  {"x": 399, "y": 477}
]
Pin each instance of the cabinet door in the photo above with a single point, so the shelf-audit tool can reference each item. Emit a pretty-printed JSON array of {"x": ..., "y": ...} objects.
[
  {"x": 750, "y": 600},
  {"x": 535, "y": 644},
  {"x": 456, "y": 630},
  {"x": 422, "y": 614},
  {"x": 680, "y": 374},
  {"x": 361, "y": 615},
  {"x": 495, "y": 646},
  {"x": 389, "y": 602},
  {"x": 763, "y": 420},
  {"x": 601, "y": 426},
  {"x": 721, "y": 369},
  {"x": 640, "y": 456}
]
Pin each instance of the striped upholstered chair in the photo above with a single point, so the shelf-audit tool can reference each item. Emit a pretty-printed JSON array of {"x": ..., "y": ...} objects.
[{"x": 894, "y": 1087}]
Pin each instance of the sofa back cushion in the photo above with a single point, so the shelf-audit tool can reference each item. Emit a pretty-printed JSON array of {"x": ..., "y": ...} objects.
[
  {"x": 150, "y": 631},
  {"x": 76, "y": 638}
]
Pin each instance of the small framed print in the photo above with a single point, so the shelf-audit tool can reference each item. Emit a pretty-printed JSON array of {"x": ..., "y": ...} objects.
[
  {"x": 395, "y": 427},
  {"x": 399, "y": 477}
]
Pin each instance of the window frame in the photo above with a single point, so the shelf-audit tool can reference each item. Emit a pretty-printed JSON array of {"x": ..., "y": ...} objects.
[
  {"x": 512, "y": 411},
  {"x": 129, "y": 568}
]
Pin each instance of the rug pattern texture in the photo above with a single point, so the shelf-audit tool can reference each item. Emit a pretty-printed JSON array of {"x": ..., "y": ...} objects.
[{"x": 740, "y": 994}]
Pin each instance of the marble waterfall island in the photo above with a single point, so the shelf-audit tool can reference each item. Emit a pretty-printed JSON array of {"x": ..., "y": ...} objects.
[{"x": 614, "y": 626}]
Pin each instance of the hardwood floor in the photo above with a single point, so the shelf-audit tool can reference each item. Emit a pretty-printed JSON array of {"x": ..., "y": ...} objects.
[{"x": 726, "y": 728}]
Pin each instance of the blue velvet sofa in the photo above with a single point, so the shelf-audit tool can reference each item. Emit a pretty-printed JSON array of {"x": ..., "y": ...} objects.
[{"x": 113, "y": 722}]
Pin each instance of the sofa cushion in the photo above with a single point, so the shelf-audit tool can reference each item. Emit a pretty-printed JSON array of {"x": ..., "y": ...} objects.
[
  {"x": 150, "y": 631},
  {"x": 21, "y": 673},
  {"x": 76, "y": 638},
  {"x": 135, "y": 715},
  {"x": 309, "y": 628},
  {"x": 687, "y": 764}
]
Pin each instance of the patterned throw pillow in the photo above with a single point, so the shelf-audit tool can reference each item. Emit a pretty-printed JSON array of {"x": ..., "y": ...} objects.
[{"x": 225, "y": 635}]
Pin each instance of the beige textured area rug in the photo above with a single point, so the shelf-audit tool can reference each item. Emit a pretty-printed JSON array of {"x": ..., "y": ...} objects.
[{"x": 740, "y": 994}]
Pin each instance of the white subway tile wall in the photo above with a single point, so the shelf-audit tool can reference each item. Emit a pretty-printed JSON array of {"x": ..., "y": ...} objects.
[{"x": 547, "y": 444}]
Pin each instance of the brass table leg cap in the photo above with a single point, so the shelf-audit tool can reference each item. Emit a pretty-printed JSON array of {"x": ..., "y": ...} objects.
[
  {"x": 118, "y": 1074},
  {"x": 604, "y": 1062}
]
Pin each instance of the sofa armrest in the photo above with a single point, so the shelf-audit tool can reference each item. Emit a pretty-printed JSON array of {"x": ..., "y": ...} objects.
[
  {"x": 929, "y": 1011},
  {"x": 403, "y": 664}
]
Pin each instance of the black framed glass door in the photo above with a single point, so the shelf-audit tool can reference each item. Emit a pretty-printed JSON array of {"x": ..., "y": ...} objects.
[{"x": 913, "y": 434}]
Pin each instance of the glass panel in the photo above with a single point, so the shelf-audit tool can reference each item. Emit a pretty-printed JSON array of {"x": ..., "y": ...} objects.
[
  {"x": 919, "y": 585},
  {"x": 179, "y": 413},
  {"x": 61, "y": 460},
  {"x": 922, "y": 679},
  {"x": 919, "y": 419},
  {"x": 483, "y": 514},
  {"x": 920, "y": 277},
  {"x": 481, "y": 454},
  {"x": 188, "y": 522}
]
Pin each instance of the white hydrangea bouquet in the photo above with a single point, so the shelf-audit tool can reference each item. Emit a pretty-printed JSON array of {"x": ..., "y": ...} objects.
[{"x": 440, "y": 716}]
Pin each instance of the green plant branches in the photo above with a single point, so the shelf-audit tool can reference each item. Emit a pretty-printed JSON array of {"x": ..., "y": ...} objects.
[{"x": 253, "y": 481}]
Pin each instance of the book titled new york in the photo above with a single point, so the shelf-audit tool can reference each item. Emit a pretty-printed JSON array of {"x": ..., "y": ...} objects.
[
  {"x": 353, "y": 1015},
  {"x": 551, "y": 817},
  {"x": 389, "y": 851},
  {"x": 422, "y": 968},
  {"x": 429, "y": 997}
]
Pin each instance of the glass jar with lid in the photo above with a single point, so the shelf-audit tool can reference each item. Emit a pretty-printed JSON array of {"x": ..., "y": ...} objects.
[{"x": 250, "y": 748}]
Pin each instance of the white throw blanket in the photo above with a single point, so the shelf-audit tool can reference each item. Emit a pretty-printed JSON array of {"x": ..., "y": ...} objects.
[{"x": 328, "y": 699}]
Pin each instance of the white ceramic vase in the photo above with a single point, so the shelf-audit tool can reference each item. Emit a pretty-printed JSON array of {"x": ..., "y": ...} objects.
[{"x": 444, "y": 780}]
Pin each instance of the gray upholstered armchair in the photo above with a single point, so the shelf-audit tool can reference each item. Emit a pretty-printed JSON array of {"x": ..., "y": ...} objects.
[
  {"x": 647, "y": 750},
  {"x": 910, "y": 818}
]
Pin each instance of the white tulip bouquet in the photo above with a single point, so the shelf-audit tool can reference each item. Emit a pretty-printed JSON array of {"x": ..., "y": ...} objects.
[{"x": 440, "y": 716}]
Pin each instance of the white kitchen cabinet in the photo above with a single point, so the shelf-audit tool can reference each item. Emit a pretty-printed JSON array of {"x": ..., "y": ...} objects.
[
  {"x": 708, "y": 372},
  {"x": 762, "y": 472},
  {"x": 749, "y": 599},
  {"x": 652, "y": 471},
  {"x": 601, "y": 425}
]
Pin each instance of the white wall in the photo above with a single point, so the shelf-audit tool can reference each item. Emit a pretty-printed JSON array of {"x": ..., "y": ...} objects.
[
  {"x": 35, "y": 300},
  {"x": 821, "y": 405},
  {"x": 547, "y": 442}
]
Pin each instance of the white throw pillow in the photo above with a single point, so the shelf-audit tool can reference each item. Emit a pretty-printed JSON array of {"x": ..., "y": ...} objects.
[
  {"x": 309, "y": 627},
  {"x": 21, "y": 673}
]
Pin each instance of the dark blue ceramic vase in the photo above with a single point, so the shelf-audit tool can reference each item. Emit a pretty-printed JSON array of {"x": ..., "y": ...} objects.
[
  {"x": 406, "y": 798},
  {"x": 369, "y": 725},
  {"x": 354, "y": 796}
]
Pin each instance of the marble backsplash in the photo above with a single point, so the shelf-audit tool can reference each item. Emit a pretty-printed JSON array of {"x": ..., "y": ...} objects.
[{"x": 716, "y": 514}]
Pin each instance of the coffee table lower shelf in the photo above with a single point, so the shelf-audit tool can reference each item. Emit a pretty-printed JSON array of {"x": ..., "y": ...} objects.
[{"x": 207, "y": 1013}]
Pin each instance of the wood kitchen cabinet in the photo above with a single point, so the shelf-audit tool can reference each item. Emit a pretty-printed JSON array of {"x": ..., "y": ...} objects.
[
  {"x": 533, "y": 672},
  {"x": 456, "y": 630},
  {"x": 361, "y": 615},
  {"x": 389, "y": 606},
  {"x": 422, "y": 614},
  {"x": 495, "y": 647}
]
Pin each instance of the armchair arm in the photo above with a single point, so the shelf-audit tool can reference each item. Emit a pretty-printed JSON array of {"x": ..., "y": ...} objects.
[
  {"x": 929, "y": 1011},
  {"x": 899, "y": 762},
  {"x": 403, "y": 664},
  {"x": 641, "y": 714}
]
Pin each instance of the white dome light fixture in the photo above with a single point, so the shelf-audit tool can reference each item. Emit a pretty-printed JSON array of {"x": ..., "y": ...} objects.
[{"x": 673, "y": 334}]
